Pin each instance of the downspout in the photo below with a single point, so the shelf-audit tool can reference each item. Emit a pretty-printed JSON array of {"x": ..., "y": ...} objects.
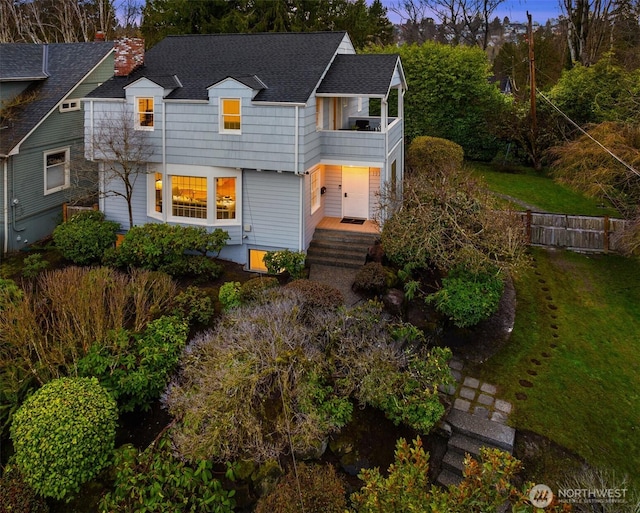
[
  {"x": 296, "y": 157},
  {"x": 385, "y": 112},
  {"x": 165, "y": 196},
  {"x": 5, "y": 204}
]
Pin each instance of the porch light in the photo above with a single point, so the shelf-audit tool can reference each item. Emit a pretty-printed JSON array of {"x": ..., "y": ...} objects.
[{"x": 158, "y": 185}]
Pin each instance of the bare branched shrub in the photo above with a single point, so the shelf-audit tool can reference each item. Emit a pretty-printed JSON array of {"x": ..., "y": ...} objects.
[
  {"x": 46, "y": 332},
  {"x": 626, "y": 499}
]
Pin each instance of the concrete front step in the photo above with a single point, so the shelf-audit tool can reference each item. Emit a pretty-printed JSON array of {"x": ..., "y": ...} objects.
[
  {"x": 463, "y": 444},
  {"x": 446, "y": 478},
  {"x": 353, "y": 250},
  {"x": 334, "y": 262},
  {"x": 322, "y": 234},
  {"x": 485, "y": 430},
  {"x": 339, "y": 248},
  {"x": 453, "y": 462}
]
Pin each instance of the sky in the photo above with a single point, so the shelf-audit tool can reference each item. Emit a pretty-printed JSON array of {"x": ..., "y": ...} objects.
[{"x": 516, "y": 10}]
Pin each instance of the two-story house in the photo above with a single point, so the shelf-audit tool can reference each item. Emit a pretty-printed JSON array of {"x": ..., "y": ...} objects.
[
  {"x": 41, "y": 131},
  {"x": 262, "y": 135}
]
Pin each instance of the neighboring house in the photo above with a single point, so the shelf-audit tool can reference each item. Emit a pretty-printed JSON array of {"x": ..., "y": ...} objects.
[
  {"x": 41, "y": 130},
  {"x": 262, "y": 135}
]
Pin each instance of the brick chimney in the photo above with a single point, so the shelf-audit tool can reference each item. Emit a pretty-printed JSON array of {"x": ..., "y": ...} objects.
[
  {"x": 129, "y": 55},
  {"x": 99, "y": 36}
]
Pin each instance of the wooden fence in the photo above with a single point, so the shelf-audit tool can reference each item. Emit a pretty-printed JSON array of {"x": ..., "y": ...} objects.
[
  {"x": 70, "y": 210},
  {"x": 577, "y": 233}
]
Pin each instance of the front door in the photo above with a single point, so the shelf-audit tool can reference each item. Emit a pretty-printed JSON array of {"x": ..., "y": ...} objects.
[{"x": 355, "y": 192}]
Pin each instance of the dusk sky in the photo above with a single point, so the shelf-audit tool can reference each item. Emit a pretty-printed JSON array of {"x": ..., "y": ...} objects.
[{"x": 516, "y": 10}]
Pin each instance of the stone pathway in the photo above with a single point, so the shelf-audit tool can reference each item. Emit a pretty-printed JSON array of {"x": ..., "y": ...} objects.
[{"x": 478, "y": 418}]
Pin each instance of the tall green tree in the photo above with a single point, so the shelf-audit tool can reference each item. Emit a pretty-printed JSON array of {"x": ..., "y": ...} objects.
[{"x": 449, "y": 95}]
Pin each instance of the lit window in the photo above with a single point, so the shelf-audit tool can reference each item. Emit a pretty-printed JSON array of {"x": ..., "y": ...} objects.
[
  {"x": 69, "y": 105},
  {"x": 315, "y": 190},
  {"x": 230, "y": 118},
  {"x": 144, "y": 113},
  {"x": 158, "y": 189},
  {"x": 394, "y": 175},
  {"x": 225, "y": 198},
  {"x": 256, "y": 260},
  {"x": 189, "y": 196},
  {"x": 56, "y": 170}
]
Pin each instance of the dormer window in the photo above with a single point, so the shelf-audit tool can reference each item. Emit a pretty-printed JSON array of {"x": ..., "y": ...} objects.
[
  {"x": 144, "y": 113},
  {"x": 230, "y": 117}
]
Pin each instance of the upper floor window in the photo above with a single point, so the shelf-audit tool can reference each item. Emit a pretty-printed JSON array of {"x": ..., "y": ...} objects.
[
  {"x": 144, "y": 113},
  {"x": 230, "y": 115},
  {"x": 69, "y": 105},
  {"x": 319, "y": 117},
  {"x": 56, "y": 170}
]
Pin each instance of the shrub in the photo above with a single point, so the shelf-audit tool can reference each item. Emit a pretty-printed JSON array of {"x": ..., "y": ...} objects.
[
  {"x": 136, "y": 369},
  {"x": 229, "y": 295},
  {"x": 371, "y": 279},
  {"x": 155, "y": 481},
  {"x": 16, "y": 496},
  {"x": 157, "y": 246},
  {"x": 285, "y": 260},
  {"x": 33, "y": 265},
  {"x": 428, "y": 153},
  {"x": 85, "y": 237},
  {"x": 63, "y": 435},
  {"x": 9, "y": 292},
  {"x": 485, "y": 487},
  {"x": 311, "y": 488},
  {"x": 316, "y": 294},
  {"x": 194, "y": 305},
  {"x": 252, "y": 289},
  {"x": 467, "y": 298}
]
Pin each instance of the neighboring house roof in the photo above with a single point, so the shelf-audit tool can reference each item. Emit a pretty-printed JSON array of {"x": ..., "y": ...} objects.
[
  {"x": 286, "y": 66},
  {"x": 367, "y": 75},
  {"x": 22, "y": 62},
  {"x": 65, "y": 64}
]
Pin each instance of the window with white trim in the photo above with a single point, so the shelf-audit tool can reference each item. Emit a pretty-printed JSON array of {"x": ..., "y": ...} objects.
[
  {"x": 56, "y": 170},
  {"x": 315, "y": 190},
  {"x": 69, "y": 105},
  {"x": 230, "y": 115},
  {"x": 256, "y": 260},
  {"x": 144, "y": 114}
]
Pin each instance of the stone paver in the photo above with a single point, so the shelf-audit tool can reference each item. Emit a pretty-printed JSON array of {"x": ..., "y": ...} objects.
[
  {"x": 468, "y": 393},
  {"x": 461, "y": 404},
  {"x": 456, "y": 364},
  {"x": 488, "y": 389},
  {"x": 500, "y": 417},
  {"x": 485, "y": 399},
  {"x": 471, "y": 382},
  {"x": 457, "y": 375},
  {"x": 503, "y": 406},
  {"x": 447, "y": 389},
  {"x": 481, "y": 412}
]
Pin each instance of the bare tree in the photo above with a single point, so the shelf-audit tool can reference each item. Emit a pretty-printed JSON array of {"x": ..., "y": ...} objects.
[
  {"x": 122, "y": 150},
  {"x": 588, "y": 23},
  {"x": 464, "y": 21}
]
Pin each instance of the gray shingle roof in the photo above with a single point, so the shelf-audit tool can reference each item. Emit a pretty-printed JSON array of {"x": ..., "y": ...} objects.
[
  {"x": 67, "y": 64},
  {"x": 359, "y": 74},
  {"x": 289, "y": 64},
  {"x": 20, "y": 61}
]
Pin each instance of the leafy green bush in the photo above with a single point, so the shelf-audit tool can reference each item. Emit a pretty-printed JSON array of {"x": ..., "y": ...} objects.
[
  {"x": 229, "y": 295},
  {"x": 16, "y": 496},
  {"x": 158, "y": 246},
  {"x": 33, "y": 265},
  {"x": 194, "y": 305},
  {"x": 468, "y": 298},
  {"x": 85, "y": 237},
  {"x": 252, "y": 289},
  {"x": 155, "y": 481},
  {"x": 312, "y": 488},
  {"x": 285, "y": 260},
  {"x": 486, "y": 486},
  {"x": 428, "y": 153},
  {"x": 136, "y": 368},
  {"x": 9, "y": 292},
  {"x": 371, "y": 279},
  {"x": 64, "y": 435}
]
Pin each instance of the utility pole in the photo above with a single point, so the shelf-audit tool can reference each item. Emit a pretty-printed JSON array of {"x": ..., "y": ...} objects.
[{"x": 532, "y": 99}]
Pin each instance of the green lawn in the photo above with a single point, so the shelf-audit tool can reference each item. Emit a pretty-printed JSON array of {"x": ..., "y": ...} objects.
[
  {"x": 540, "y": 191},
  {"x": 586, "y": 394}
]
